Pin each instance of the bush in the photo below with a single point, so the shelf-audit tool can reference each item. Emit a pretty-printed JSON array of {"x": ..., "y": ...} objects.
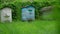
[{"x": 17, "y": 6}]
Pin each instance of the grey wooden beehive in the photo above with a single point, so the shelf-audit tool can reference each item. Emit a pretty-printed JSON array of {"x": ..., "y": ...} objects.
[
  {"x": 47, "y": 13},
  {"x": 6, "y": 15}
]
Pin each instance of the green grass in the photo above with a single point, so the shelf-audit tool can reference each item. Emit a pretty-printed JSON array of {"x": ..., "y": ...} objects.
[{"x": 35, "y": 27}]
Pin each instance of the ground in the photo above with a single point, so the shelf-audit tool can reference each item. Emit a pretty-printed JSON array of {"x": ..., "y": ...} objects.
[{"x": 35, "y": 27}]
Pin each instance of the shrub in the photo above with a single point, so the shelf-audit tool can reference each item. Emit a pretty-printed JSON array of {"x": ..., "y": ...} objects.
[{"x": 16, "y": 7}]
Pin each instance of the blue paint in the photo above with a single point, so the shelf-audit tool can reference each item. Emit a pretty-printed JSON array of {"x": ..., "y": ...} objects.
[
  {"x": 24, "y": 11},
  {"x": 28, "y": 13}
]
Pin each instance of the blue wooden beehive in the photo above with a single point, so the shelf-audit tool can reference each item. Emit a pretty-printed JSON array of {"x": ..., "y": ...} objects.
[
  {"x": 28, "y": 13},
  {"x": 24, "y": 13}
]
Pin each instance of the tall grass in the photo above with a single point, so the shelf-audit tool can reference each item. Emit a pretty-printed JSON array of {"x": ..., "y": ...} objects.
[{"x": 35, "y": 27}]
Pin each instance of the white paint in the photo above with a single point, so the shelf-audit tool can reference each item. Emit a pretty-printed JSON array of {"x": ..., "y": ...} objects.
[{"x": 6, "y": 12}]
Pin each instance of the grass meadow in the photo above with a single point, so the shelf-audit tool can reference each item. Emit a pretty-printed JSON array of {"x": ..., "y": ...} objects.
[{"x": 35, "y": 27}]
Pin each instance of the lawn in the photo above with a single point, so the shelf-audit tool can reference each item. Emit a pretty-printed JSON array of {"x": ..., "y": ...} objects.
[{"x": 35, "y": 27}]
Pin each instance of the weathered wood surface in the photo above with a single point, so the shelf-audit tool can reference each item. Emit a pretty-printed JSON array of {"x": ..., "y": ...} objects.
[{"x": 6, "y": 15}]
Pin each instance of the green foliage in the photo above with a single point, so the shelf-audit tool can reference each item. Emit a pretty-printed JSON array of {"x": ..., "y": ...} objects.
[{"x": 16, "y": 7}]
